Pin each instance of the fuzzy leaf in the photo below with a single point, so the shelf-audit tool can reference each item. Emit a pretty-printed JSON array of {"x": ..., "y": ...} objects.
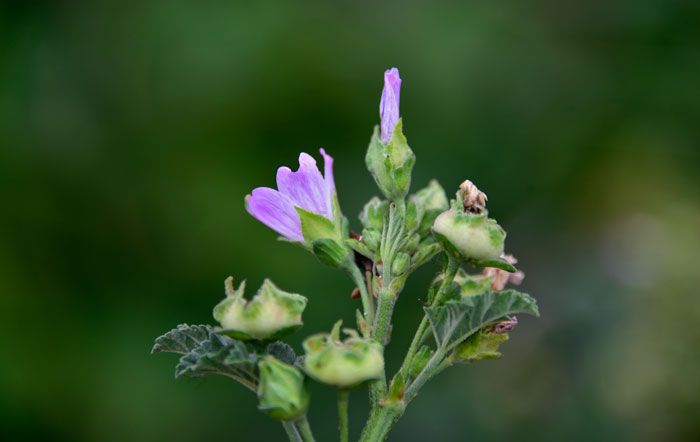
[
  {"x": 218, "y": 355},
  {"x": 283, "y": 352},
  {"x": 182, "y": 339},
  {"x": 455, "y": 321}
]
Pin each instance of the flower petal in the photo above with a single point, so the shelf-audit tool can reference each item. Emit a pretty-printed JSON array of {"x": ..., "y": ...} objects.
[
  {"x": 389, "y": 104},
  {"x": 328, "y": 176},
  {"x": 276, "y": 211},
  {"x": 306, "y": 187}
]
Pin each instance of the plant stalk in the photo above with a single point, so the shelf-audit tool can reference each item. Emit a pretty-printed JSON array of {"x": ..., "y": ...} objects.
[{"x": 343, "y": 400}]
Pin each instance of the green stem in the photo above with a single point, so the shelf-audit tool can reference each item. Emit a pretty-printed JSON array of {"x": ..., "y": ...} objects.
[
  {"x": 292, "y": 432},
  {"x": 305, "y": 428},
  {"x": 367, "y": 304},
  {"x": 381, "y": 421},
  {"x": 434, "y": 366},
  {"x": 343, "y": 400},
  {"x": 452, "y": 268},
  {"x": 382, "y": 321}
]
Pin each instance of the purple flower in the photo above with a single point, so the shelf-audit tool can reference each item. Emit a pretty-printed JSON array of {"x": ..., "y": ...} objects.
[
  {"x": 306, "y": 188},
  {"x": 389, "y": 106}
]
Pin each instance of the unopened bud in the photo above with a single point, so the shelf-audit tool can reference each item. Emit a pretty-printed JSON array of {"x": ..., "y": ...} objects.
[
  {"x": 271, "y": 313},
  {"x": 282, "y": 390},
  {"x": 344, "y": 364}
]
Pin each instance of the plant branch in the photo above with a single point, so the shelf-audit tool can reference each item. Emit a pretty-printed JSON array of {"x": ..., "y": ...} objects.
[
  {"x": 292, "y": 432},
  {"x": 305, "y": 428},
  {"x": 367, "y": 304}
]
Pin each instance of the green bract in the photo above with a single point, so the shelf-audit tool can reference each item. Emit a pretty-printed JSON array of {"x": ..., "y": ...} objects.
[
  {"x": 343, "y": 364},
  {"x": 473, "y": 236},
  {"x": 271, "y": 314},
  {"x": 391, "y": 164},
  {"x": 282, "y": 390}
]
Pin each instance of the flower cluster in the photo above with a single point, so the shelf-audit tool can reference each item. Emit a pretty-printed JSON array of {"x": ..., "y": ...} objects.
[{"x": 468, "y": 315}]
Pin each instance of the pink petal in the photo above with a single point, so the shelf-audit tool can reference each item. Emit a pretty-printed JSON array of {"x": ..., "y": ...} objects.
[
  {"x": 306, "y": 187},
  {"x": 276, "y": 211},
  {"x": 328, "y": 177}
]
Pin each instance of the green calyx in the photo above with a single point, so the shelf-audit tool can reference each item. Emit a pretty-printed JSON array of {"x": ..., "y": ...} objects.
[
  {"x": 469, "y": 236},
  {"x": 391, "y": 165},
  {"x": 344, "y": 364},
  {"x": 282, "y": 391},
  {"x": 271, "y": 314}
]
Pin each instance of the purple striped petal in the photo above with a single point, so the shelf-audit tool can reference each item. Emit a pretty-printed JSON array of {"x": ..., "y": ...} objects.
[
  {"x": 389, "y": 104},
  {"x": 306, "y": 187},
  {"x": 276, "y": 211}
]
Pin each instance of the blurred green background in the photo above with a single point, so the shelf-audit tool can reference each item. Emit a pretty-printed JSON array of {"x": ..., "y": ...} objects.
[{"x": 130, "y": 132}]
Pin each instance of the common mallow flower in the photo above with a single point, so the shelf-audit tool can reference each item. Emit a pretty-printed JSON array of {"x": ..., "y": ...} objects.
[
  {"x": 306, "y": 189},
  {"x": 389, "y": 104}
]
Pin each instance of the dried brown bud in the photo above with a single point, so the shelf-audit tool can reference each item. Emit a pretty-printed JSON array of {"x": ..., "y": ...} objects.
[
  {"x": 503, "y": 327},
  {"x": 501, "y": 278},
  {"x": 474, "y": 199},
  {"x": 355, "y": 293}
]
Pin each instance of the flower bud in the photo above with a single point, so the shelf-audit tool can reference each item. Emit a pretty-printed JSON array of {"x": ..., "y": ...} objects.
[
  {"x": 389, "y": 159},
  {"x": 465, "y": 230},
  {"x": 282, "y": 390},
  {"x": 271, "y": 314},
  {"x": 400, "y": 263},
  {"x": 343, "y": 364},
  {"x": 433, "y": 201},
  {"x": 372, "y": 237},
  {"x": 473, "y": 236},
  {"x": 373, "y": 213}
]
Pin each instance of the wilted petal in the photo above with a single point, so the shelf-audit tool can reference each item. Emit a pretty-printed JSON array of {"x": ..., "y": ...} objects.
[
  {"x": 306, "y": 187},
  {"x": 276, "y": 211},
  {"x": 389, "y": 104}
]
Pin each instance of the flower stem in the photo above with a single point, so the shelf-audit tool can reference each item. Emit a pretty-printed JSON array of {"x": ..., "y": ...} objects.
[
  {"x": 452, "y": 268},
  {"x": 367, "y": 304},
  {"x": 292, "y": 432},
  {"x": 343, "y": 400},
  {"x": 305, "y": 428}
]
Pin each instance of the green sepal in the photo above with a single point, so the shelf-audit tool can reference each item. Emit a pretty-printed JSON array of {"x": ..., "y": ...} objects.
[
  {"x": 414, "y": 215},
  {"x": 396, "y": 390},
  {"x": 243, "y": 336},
  {"x": 479, "y": 346},
  {"x": 373, "y": 213},
  {"x": 362, "y": 324},
  {"x": 372, "y": 238},
  {"x": 391, "y": 165},
  {"x": 282, "y": 391},
  {"x": 315, "y": 226},
  {"x": 496, "y": 263},
  {"x": 330, "y": 252},
  {"x": 458, "y": 319},
  {"x": 360, "y": 247},
  {"x": 420, "y": 360}
]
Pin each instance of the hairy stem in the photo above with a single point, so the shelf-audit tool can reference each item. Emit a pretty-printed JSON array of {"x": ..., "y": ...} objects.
[
  {"x": 305, "y": 429},
  {"x": 367, "y": 304},
  {"x": 292, "y": 432},
  {"x": 343, "y": 400},
  {"x": 452, "y": 268}
]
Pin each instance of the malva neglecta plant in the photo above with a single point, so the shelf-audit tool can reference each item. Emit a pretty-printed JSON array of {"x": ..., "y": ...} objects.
[{"x": 467, "y": 316}]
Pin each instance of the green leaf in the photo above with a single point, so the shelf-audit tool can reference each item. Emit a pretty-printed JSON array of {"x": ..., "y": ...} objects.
[
  {"x": 455, "y": 321},
  {"x": 479, "y": 346},
  {"x": 182, "y": 339},
  {"x": 282, "y": 351},
  {"x": 315, "y": 226},
  {"x": 218, "y": 355}
]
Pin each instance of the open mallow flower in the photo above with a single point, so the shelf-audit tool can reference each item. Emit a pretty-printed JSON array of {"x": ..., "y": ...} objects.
[
  {"x": 389, "y": 104},
  {"x": 304, "y": 189}
]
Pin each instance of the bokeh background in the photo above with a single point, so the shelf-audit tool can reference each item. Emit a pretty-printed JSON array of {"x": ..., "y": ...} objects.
[{"x": 130, "y": 131}]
